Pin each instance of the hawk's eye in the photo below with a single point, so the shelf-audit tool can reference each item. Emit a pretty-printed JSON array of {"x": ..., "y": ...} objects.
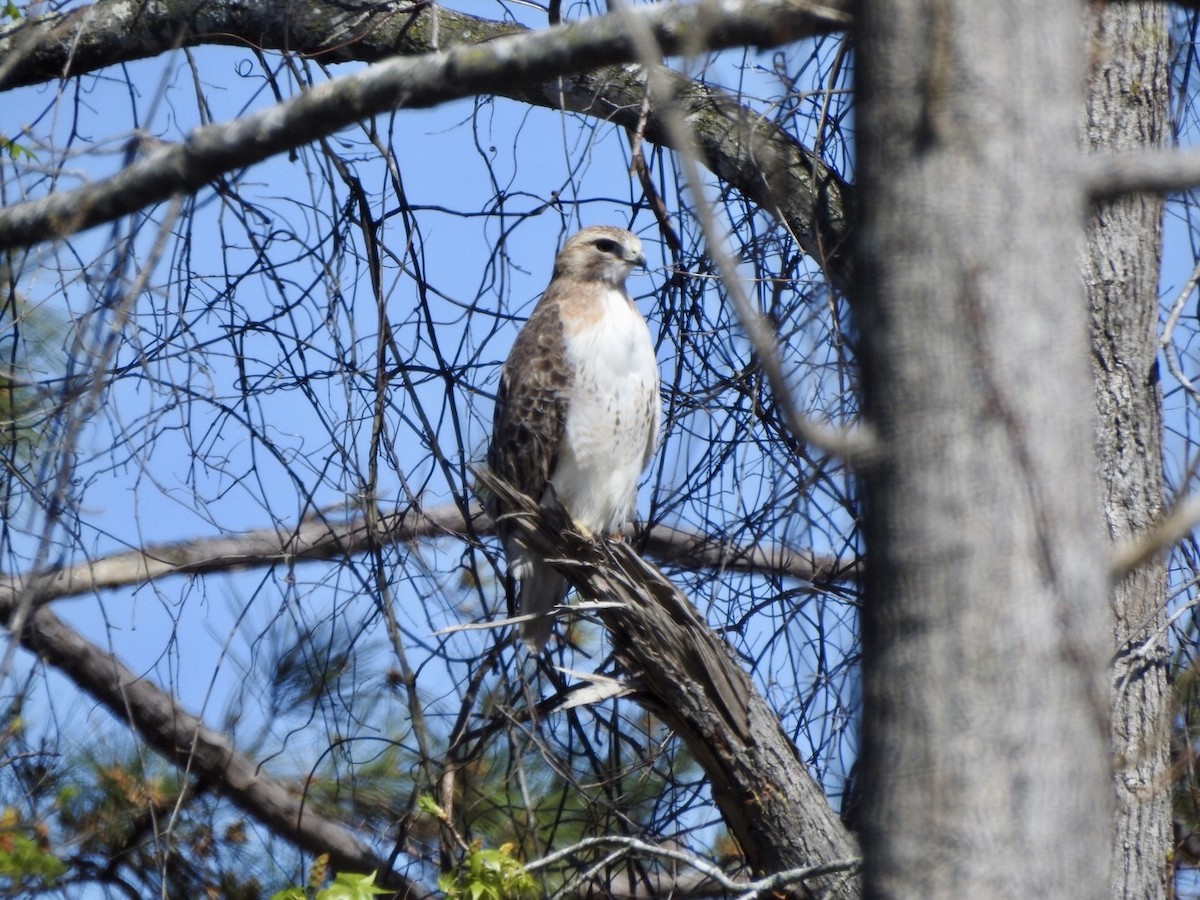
[{"x": 604, "y": 245}]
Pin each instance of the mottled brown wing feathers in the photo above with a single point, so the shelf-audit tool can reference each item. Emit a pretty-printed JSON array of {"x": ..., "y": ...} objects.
[{"x": 531, "y": 408}]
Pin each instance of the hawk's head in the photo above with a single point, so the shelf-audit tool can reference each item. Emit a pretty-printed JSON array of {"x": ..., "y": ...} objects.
[{"x": 600, "y": 253}]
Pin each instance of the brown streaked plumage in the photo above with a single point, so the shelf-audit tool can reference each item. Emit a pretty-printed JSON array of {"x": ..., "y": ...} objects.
[{"x": 577, "y": 412}]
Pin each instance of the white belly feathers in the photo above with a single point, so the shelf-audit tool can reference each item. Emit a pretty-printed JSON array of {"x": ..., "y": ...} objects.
[{"x": 613, "y": 417}]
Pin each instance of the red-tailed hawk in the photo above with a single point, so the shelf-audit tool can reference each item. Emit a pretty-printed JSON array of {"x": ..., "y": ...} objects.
[{"x": 577, "y": 413}]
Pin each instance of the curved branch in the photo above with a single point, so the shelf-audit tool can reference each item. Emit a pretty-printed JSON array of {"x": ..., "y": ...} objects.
[
  {"x": 743, "y": 148},
  {"x": 186, "y": 741},
  {"x": 328, "y": 538},
  {"x": 110, "y": 32}
]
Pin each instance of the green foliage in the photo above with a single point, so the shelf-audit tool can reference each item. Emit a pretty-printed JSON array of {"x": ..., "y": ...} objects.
[
  {"x": 14, "y": 150},
  {"x": 429, "y": 806},
  {"x": 121, "y": 817},
  {"x": 345, "y": 886},
  {"x": 25, "y": 857},
  {"x": 10, "y": 11},
  {"x": 481, "y": 874},
  {"x": 488, "y": 875}
]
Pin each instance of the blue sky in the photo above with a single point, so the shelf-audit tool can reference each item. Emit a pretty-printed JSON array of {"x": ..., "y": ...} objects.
[
  {"x": 204, "y": 475},
  {"x": 208, "y": 640}
]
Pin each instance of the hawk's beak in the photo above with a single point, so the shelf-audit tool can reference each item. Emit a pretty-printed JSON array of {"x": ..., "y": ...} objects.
[{"x": 639, "y": 261}]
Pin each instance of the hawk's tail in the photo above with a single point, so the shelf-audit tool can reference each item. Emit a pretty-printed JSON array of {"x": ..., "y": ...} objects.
[{"x": 542, "y": 589}]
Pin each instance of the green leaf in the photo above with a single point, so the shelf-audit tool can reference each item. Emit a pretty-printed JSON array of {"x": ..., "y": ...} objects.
[
  {"x": 348, "y": 886},
  {"x": 15, "y": 150},
  {"x": 429, "y": 806},
  {"x": 491, "y": 874}
]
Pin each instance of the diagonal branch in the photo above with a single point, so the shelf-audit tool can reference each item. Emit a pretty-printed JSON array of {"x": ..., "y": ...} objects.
[
  {"x": 682, "y": 671},
  {"x": 111, "y": 32},
  {"x": 186, "y": 741},
  {"x": 326, "y": 538},
  {"x": 1177, "y": 525},
  {"x": 744, "y": 149}
]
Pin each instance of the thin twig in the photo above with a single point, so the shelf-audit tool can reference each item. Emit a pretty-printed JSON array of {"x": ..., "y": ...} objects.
[
  {"x": 1165, "y": 340},
  {"x": 1174, "y": 528},
  {"x": 746, "y": 890},
  {"x": 851, "y": 445}
]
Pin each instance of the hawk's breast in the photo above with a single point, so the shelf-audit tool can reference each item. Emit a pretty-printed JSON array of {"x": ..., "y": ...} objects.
[{"x": 612, "y": 414}]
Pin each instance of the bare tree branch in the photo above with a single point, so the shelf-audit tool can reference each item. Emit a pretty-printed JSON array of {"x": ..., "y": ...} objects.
[
  {"x": 745, "y": 890},
  {"x": 1177, "y": 525},
  {"x": 327, "y": 538},
  {"x": 651, "y": 606},
  {"x": 91, "y": 37},
  {"x": 1109, "y": 176},
  {"x": 186, "y": 741},
  {"x": 686, "y": 675},
  {"x": 741, "y": 147},
  {"x": 702, "y": 551}
]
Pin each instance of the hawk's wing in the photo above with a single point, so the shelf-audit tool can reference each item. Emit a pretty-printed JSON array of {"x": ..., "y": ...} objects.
[{"x": 531, "y": 405}]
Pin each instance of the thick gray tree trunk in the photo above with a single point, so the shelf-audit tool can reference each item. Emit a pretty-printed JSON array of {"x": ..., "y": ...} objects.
[
  {"x": 1127, "y": 111},
  {"x": 986, "y": 716}
]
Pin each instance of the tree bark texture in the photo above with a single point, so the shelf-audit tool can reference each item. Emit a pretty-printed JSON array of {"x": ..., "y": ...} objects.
[
  {"x": 986, "y": 715},
  {"x": 1127, "y": 111}
]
